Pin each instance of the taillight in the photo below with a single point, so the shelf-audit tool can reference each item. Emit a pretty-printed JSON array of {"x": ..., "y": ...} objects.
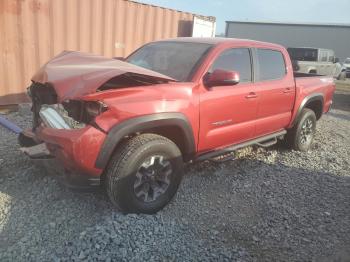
[{"x": 95, "y": 108}]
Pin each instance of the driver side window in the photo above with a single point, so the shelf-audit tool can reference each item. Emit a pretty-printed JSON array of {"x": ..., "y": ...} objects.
[{"x": 235, "y": 59}]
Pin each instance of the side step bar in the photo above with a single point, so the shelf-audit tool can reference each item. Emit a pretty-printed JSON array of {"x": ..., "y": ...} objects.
[{"x": 264, "y": 141}]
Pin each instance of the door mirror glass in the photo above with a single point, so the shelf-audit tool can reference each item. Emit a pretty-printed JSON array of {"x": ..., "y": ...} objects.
[{"x": 221, "y": 77}]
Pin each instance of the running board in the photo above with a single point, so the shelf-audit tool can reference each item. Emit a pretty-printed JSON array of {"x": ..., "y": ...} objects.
[
  {"x": 268, "y": 143},
  {"x": 264, "y": 141},
  {"x": 224, "y": 157}
]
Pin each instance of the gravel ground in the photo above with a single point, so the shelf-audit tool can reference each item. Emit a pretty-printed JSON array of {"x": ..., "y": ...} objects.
[{"x": 268, "y": 205}]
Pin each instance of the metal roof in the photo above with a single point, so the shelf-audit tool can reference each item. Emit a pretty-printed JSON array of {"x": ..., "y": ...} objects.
[
  {"x": 291, "y": 23},
  {"x": 204, "y": 17}
]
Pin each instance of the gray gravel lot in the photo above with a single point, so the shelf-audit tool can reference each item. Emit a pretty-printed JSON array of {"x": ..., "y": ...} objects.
[{"x": 268, "y": 205}]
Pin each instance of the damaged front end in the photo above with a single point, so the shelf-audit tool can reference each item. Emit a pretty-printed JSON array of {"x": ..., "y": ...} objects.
[
  {"x": 64, "y": 128},
  {"x": 59, "y": 87},
  {"x": 63, "y": 138},
  {"x": 70, "y": 114}
]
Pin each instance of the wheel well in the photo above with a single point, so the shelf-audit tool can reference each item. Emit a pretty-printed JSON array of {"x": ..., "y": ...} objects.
[
  {"x": 173, "y": 133},
  {"x": 316, "y": 106},
  {"x": 312, "y": 71},
  {"x": 174, "y": 126}
]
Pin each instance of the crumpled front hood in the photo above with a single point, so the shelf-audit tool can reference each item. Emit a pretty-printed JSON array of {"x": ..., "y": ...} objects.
[{"x": 75, "y": 74}]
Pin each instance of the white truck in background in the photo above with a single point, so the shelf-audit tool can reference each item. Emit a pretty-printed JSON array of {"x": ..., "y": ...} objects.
[
  {"x": 346, "y": 67},
  {"x": 203, "y": 26},
  {"x": 316, "y": 61}
]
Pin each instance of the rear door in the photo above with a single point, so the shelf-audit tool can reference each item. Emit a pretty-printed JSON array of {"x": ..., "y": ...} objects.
[
  {"x": 275, "y": 88},
  {"x": 227, "y": 113}
]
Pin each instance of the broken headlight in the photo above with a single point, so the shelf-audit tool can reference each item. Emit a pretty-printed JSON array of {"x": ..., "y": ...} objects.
[
  {"x": 94, "y": 108},
  {"x": 84, "y": 111}
]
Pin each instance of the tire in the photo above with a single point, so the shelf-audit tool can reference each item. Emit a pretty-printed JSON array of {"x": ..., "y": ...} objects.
[
  {"x": 144, "y": 174},
  {"x": 296, "y": 137}
]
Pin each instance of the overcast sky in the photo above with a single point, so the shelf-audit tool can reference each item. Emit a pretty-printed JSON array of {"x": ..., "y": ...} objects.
[{"x": 314, "y": 11}]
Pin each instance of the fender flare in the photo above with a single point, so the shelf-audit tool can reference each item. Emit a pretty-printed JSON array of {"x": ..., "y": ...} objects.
[
  {"x": 139, "y": 124},
  {"x": 306, "y": 100}
]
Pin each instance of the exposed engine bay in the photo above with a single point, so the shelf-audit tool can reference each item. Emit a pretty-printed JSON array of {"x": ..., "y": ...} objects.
[
  {"x": 68, "y": 115},
  {"x": 72, "y": 114}
]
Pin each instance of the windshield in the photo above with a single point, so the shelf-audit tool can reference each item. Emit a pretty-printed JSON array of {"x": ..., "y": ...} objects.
[
  {"x": 175, "y": 59},
  {"x": 303, "y": 54}
]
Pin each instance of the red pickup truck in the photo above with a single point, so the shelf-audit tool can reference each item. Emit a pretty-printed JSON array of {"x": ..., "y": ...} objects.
[{"x": 130, "y": 124}]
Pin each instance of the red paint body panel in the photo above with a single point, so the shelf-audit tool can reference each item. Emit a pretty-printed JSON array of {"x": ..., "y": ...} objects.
[
  {"x": 219, "y": 116},
  {"x": 306, "y": 86},
  {"x": 76, "y": 149}
]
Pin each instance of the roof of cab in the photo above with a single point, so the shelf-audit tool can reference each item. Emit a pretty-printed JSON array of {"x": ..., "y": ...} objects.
[{"x": 221, "y": 40}]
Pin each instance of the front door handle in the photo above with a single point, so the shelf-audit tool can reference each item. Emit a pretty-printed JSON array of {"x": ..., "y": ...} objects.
[
  {"x": 251, "y": 95},
  {"x": 287, "y": 90}
]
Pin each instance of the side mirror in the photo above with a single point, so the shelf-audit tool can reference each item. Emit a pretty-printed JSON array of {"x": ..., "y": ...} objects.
[
  {"x": 221, "y": 78},
  {"x": 336, "y": 60}
]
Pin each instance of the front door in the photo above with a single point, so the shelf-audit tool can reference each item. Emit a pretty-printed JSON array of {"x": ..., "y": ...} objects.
[{"x": 227, "y": 113}]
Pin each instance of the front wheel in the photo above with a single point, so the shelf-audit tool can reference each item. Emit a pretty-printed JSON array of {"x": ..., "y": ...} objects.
[
  {"x": 144, "y": 174},
  {"x": 300, "y": 137}
]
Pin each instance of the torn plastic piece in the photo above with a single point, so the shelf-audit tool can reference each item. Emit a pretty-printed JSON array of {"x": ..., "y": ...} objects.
[{"x": 37, "y": 151}]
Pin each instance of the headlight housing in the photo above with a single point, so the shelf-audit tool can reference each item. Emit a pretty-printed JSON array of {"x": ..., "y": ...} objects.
[
  {"x": 84, "y": 111},
  {"x": 95, "y": 108}
]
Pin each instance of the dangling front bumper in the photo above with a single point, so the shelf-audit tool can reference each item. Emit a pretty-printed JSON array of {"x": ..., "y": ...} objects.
[{"x": 69, "y": 155}]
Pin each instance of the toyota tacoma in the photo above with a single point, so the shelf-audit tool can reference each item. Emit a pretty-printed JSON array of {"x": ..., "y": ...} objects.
[{"x": 129, "y": 125}]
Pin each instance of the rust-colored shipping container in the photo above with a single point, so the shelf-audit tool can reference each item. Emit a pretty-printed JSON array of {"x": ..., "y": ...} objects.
[{"x": 33, "y": 31}]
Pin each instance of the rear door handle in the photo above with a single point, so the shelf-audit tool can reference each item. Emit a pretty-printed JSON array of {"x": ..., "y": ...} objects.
[{"x": 251, "y": 95}]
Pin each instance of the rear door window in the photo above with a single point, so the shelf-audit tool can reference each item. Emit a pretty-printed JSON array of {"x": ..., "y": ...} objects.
[
  {"x": 235, "y": 59},
  {"x": 271, "y": 64}
]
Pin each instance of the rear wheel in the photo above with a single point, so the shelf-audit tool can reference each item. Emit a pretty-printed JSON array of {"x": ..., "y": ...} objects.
[
  {"x": 300, "y": 137},
  {"x": 144, "y": 174}
]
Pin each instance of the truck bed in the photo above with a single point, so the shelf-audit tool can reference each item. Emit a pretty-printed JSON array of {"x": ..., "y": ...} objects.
[{"x": 313, "y": 84}]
